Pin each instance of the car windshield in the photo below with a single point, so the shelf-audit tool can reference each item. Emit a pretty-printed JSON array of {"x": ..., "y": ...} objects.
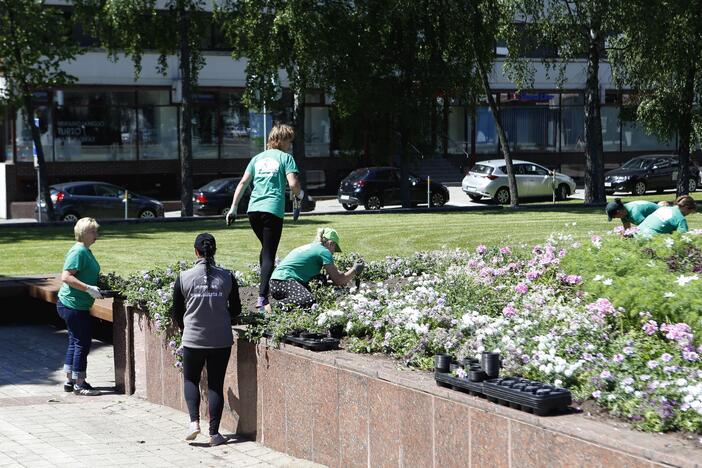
[
  {"x": 482, "y": 169},
  {"x": 357, "y": 175},
  {"x": 637, "y": 164},
  {"x": 214, "y": 185}
]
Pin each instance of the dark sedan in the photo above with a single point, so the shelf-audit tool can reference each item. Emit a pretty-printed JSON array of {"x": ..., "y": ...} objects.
[
  {"x": 652, "y": 172},
  {"x": 375, "y": 187},
  {"x": 215, "y": 198},
  {"x": 100, "y": 200}
]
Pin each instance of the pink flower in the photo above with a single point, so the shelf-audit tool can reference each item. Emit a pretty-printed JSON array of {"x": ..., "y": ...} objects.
[
  {"x": 666, "y": 357},
  {"x": 573, "y": 279},
  {"x": 680, "y": 332},
  {"x": 521, "y": 288},
  {"x": 505, "y": 250},
  {"x": 650, "y": 327},
  {"x": 533, "y": 275},
  {"x": 509, "y": 311},
  {"x": 601, "y": 308},
  {"x": 481, "y": 249}
]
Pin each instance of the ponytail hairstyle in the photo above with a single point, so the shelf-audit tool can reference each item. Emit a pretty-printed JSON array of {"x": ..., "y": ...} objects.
[
  {"x": 280, "y": 133},
  {"x": 206, "y": 247},
  {"x": 686, "y": 201},
  {"x": 620, "y": 205},
  {"x": 319, "y": 237}
]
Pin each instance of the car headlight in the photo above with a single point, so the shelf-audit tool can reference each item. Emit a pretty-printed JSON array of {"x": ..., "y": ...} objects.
[{"x": 620, "y": 178}]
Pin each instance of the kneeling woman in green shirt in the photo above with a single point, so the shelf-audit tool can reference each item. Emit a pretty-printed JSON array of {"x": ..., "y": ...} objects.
[
  {"x": 668, "y": 219},
  {"x": 630, "y": 213},
  {"x": 290, "y": 280}
]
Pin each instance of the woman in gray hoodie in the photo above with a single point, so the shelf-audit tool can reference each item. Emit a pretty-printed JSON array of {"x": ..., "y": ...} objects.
[{"x": 205, "y": 300}]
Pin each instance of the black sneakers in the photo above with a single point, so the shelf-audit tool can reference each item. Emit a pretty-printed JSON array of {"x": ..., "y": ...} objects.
[
  {"x": 68, "y": 386},
  {"x": 85, "y": 389}
]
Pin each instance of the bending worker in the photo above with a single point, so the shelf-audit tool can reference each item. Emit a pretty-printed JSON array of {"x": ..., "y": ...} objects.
[
  {"x": 290, "y": 280},
  {"x": 630, "y": 213},
  {"x": 668, "y": 219}
]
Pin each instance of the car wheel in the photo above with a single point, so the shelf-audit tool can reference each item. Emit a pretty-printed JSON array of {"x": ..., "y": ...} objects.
[
  {"x": 639, "y": 188},
  {"x": 437, "y": 199},
  {"x": 373, "y": 202},
  {"x": 475, "y": 197},
  {"x": 70, "y": 217},
  {"x": 349, "y": 207},
  {"x": 502, "y": 196},
  {"x": 147, "y": 213},
  {"x": 692, "y": 185},
  {"x": 562, "y": 192}
]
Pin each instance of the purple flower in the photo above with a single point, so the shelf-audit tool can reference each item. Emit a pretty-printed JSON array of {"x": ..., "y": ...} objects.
[
  {"x": 618, "y": 358},
  {"x": 172, "y": 344},
  {"x": 179, "y": 351},
  {"x": 596, "y": 394},
  {"x": 669, "y": 369},
  {"x": 628, "y": 350},
  {"x": 178, "y": 364},
  {"x": 652, "y": 364},
  {"x": 601, "y": 308},
  {"x": 521, "y": 288},
  {"x": 680, "y": 332},
  {"x": 628, "y": 381},
  {"x": 606, "y": 375},
  {"x": 533, "y": 275},
  {"x": 587, "y": 356},
  {"x": 573, "y": 279},
  {"x": 461, "y": 374},
  {"x": 690, "y": 355},
  {"x": 509, "y": 311},
  {"x": 665, "y": 357},
  {"x": 505, "y": 250},
  {"x": 650, "y": 327},
  {"x": 481, "y": 249}
]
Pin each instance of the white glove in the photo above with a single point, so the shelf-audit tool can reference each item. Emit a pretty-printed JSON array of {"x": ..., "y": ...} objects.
[
  {"x": 231, "y": 216},
  {"x": 94, "y": 292},
  {"x": 300, "y": 196}
]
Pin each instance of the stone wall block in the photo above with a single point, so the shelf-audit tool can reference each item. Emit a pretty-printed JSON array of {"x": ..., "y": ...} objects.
[
  {"x": 271, "y": 371},
  {"x": 489, "y": 441},
  {"x": 324, "y": 387},
  {"x": 451, "y": 434},
  {"x": 384, "y": 424},
  {"x": 299, "y": 406},
  {"x": 353, "y": 419}
]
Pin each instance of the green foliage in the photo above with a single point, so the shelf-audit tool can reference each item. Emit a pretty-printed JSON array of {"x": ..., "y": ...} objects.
[{"x": 644, "y": 275}]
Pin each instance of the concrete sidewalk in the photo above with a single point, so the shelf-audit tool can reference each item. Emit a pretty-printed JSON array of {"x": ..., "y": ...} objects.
[{"x": 42, "y": 426}]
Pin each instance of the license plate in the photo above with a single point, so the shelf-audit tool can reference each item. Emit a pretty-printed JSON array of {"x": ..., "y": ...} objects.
[
  {"x": 470, "y": 189},
  {"x": 608, "y": 184},
  {"x": 344, "y": 197}
]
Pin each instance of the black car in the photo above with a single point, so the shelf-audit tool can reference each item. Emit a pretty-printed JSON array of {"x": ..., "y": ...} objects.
[
  {"x": 215, "y": 198},
  {"x": 375, "y": 187},
  {"x": 652, "y": 172},
  {"x": 100, "y": 200}
]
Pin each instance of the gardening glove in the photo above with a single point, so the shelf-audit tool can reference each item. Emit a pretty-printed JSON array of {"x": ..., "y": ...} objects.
[
  {"x": 300, "y": 196},
  {"x": 94, "y": 292},
  {"x": 358, "y": 267},
  {"x": 230, "y": 217}
]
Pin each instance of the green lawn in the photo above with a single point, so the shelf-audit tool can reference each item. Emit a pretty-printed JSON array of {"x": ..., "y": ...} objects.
[{"x": 128, "y": 248}]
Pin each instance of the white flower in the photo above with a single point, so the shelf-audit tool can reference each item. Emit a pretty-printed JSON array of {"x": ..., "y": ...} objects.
[
  {"x": 598, "y": 278},
  {"x": 683, "y": 280},
  {"x": 669, "y": 294},
  {"x": 607, "y": 282},
  {"x": 669, "y": 242}
]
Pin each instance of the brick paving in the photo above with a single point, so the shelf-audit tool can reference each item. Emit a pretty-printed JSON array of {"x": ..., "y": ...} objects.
[{"x": 42, "y": 426}]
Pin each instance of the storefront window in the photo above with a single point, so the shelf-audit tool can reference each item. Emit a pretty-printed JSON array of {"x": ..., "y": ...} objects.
[
  {"x": 23, "y": 138},
  {"x": 317, "y": 136},
  {"x": 456, "y": 131},
  {"x": 610, "y": 127},
  {"x": 157, "y": 129},
  {"x": 205, "y": 136},
  {"x": 572, "y": 122},
  {"x": 95, "y": 133},
  {"x": 485, "y": 133},
  {"x": 236, "y": 137},
  {"x": 635, "y": 138}
]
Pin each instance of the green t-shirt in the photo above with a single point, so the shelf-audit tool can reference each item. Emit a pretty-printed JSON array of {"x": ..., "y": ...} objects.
[
  {"x": 81, "y": 259},
  {"x": 302, "y": 263},
  {"x": 664, "y": 220},
  {"x": 637, "y": 211},
  {"x": 268, "y": 171}
]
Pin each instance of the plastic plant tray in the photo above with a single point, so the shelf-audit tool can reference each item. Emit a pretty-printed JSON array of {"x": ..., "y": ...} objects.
[
  {"x": 311, "y": 341},
  {"x": 522, "y": 394},
  {"x": 445, "y": 379},
  {"x": 110, "y": 293}
]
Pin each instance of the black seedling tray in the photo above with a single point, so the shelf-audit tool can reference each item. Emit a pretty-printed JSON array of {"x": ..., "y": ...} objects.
[
  {"x": 311, "y": 341},
  {"x": 521, "y": 394},
  {"x": 445, "y": 379},
  {"x": 110, "y": 293}
]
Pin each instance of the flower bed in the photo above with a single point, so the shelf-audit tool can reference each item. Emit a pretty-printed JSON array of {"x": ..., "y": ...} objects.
[{"x": 544, "y": 308}]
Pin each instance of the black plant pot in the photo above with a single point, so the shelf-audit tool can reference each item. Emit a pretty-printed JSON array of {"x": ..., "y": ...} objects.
[
  {"x": 491, "y": 364},
  {"x": 337, "y": 331},
  {"x": 442, "y": 362}
]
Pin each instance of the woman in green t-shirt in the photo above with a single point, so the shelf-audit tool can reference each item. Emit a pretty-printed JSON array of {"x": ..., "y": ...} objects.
[
  {"x": 75, "y": 298},
  {"x": 290, "y": 280},
  {"x": 269, "y": 171}
]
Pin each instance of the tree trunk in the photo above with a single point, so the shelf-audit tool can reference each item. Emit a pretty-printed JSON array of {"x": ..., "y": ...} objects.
[
  {"x": 186, "y": 146},
  {"x": 41, "y": 162},
  {"x": 685, "y": 131},
  {"x": 299, "y": 125},
  {"x": 504, "y": 144},
  {"x": 594, "y": 160}
]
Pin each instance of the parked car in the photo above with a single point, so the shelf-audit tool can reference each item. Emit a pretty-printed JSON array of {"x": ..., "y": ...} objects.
[
  {"x": 215, "y": 198},
  {"x": 652, "y": 172},
  {"x": 100, "y": 200},
  {"x": 375, "y": 187},
  {"x": 489, "y": 179}
]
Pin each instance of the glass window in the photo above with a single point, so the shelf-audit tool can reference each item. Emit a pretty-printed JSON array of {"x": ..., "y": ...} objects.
[
  {"x": 158, "y": 97},
  {"x": 205, "y": 136},
  {"x": 610, "y": 127},
  {"x": 456, "y": 131},
  {"x": 572, "y": 128},
  {"x": 316, "y": 179},
  {"x": 95, "y": 133},
  {"x": 102, "y": 190},
  {"x": 95, "y": 98},
  {"x": 635, "y": 138},
  {"x": 23, "y": 135},
  {"x": 236, "y": 137},
  {"x": 87, "y": 190},
  {"x": 158, "y": 132},
  {"x": 317, "y": 137},
  {"x": 485, "y": 133},
  {"x": 531, "y": 128}
]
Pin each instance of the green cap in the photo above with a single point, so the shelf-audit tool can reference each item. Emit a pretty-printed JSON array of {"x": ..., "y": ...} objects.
[{"x": 332, "y": 235}]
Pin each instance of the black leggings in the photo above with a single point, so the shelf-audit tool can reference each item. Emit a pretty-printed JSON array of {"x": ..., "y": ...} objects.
[
  {"x": 292, "y": 292},
  {"x": 193, "y": 362},
  {"x": 268, "y": 228}
]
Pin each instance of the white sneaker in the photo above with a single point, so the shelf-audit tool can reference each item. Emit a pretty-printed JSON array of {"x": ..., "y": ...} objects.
[
  {"x": 193, "y": 430},
  {"x": 217, "y": 439}
]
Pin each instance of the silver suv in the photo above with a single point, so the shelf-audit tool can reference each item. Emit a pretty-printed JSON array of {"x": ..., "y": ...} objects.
[{"x": 489, "y": 179}]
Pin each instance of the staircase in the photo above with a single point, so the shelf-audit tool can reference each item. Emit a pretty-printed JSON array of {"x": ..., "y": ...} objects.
[{"x": 440, "y": 170}]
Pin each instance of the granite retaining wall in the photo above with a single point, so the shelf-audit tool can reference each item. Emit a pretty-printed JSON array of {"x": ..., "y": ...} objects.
[{"x": 346, "y": 410}]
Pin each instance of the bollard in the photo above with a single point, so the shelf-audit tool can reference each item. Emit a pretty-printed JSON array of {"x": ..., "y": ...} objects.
[
  {"x": 428, "y": 191},
  {"x": 126, "y": 204}
]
